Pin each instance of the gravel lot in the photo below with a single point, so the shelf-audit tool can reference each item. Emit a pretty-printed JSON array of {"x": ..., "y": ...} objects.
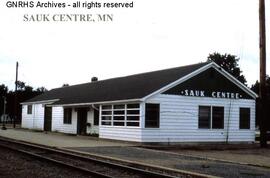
[
  {"x": 16, "y": 165},
  {"x": 180, "y": 162}
]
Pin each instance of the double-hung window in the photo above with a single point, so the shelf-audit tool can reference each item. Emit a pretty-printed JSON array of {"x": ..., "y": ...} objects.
[
  {"x": 244, "y": 118},
  {"x": 29, "y": 109},
  {"x": 151, "y": 115},
  {"x": 67, "y": 115},
  {"x": 211, "y": 117}
]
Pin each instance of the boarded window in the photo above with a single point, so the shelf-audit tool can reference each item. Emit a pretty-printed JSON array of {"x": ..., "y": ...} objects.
[
  {"x": 218, "y": 117},
  {"x": 204, "y": 117},
  {"x": 152, "y": 115},
  {"x": 244, "y": 121},
  {"x": 29, "y": 109},
  {"x": 67, "y": 115},
  {"x": 96, "y": 117}
]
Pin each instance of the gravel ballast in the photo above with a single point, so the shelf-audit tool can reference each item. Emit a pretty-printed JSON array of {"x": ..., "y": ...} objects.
[{"x": 14, "y": 165}]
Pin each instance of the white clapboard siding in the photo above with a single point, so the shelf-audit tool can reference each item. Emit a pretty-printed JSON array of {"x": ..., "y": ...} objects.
[
  {"x": 179, "y": 120},
  {"x": 58, "y": 121},
  {"x": 120, "y": 133},
  {"x": 27, "y": 119},
  {"x": 34, "y": 120}
]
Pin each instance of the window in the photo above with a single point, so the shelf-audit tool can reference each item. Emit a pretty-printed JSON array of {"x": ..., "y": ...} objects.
[
  {"x": 120, "y": 115},
  {"x": 133, "y": 115},
  {"x": 96, "y": 117},
  {"x": 244, "y": 121},
  {"x": 217, "y": 117},
  {"x": 204, "y": 117},
  {"x": 29, "y": 109},
  {"x": 152, "y": 115},
  {"x": 106, "y": 115},
  {"x": 211, "y": 117},
  {"x": 67, "y": 115}
]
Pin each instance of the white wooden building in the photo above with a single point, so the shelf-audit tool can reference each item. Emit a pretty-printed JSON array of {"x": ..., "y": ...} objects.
[{"x": 195, "y": 103}]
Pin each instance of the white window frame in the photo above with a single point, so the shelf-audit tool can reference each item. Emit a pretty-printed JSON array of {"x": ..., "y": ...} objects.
[{"x": 125, "y": 115}]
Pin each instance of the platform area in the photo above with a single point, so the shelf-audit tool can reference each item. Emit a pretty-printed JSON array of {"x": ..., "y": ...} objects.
[
  {"x": 58, "y": 139},
  {"x": 241, "y": 162}
]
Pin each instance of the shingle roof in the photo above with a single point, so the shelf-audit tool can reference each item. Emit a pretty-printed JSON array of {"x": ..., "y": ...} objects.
[{"x": 122, "y": 88}]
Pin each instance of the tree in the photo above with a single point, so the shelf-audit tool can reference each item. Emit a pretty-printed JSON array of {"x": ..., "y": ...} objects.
[
  {"x": 41, "y": 89},
  {"x": 3, "y": 90},
  {"x": 229, "y": 63},
  {"x": 24, "y": 93},
  {"x": 3, "y": 93},
  {"x": 20, "y": 85},
  {"x": 28, "y": 88},
  {"x": 255, "y": 88},
  {"x": 65, "y": 85}
]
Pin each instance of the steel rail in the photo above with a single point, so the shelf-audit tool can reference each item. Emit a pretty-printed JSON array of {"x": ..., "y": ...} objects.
[
  {"x": 80, "y": 157},
  {"x": 61, "y": 163}
]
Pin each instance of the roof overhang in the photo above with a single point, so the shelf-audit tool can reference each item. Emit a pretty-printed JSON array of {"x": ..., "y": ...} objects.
[
  {"x": 234, "y": 80},
  {"x": 41, "y": 102},
  {"x": 97, "y": 103}
]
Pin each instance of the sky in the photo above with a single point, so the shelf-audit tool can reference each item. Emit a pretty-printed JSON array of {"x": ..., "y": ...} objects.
[{"x": 153, "y": 35}]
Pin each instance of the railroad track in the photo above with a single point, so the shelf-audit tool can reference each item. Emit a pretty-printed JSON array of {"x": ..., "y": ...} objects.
[{"x": 88, "y": 165}]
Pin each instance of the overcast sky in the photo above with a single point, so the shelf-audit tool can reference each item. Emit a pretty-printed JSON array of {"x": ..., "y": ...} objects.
[{"x": 155, "y": 34}]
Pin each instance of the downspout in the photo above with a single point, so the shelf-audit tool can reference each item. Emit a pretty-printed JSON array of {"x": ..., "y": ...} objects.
[{"x": 228, "y": 122}]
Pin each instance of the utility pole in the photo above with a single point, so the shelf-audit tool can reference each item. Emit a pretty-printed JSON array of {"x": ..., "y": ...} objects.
[
  {"x": 262, "y": 92},
  {"x": 16, "y": 97}
]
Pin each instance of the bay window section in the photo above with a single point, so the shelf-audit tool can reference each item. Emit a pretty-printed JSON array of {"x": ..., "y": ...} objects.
[
  {"x": 120, "y": 115},
  {"x": 133, "y": 115},
  {"x": 106, "y": 115}
]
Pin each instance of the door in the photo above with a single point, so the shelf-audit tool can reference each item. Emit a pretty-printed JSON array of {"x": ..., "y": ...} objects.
[
  {"x": 81, "y": 121},
  {"x": 48, "y": 119}
]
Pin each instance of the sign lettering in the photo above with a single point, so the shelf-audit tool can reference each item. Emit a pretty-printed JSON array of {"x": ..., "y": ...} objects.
[{"x": 214, "y": 94}]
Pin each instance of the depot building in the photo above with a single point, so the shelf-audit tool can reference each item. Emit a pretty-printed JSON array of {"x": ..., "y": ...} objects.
[{"x": 194, "y": 103}]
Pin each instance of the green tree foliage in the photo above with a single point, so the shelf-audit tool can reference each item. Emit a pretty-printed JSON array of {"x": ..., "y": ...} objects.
[
  {"x": 3, "y": 93},
  {"x": 256, "y": 88},
  {"x": 20, "y": 85},
  {"x": 3, "y": 90},
  {"x": 229, "y": 63},
  {"x": 41, "y": 89},
  {"x": 65, "y": 85},
  {"x": 24, "y": 93},
  {"x": 256, "y": 85}
]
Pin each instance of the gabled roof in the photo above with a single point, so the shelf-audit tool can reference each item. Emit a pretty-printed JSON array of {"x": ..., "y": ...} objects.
[
  {"x": 123, "y": 88},
  {"x": 133, "y": 87}
]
